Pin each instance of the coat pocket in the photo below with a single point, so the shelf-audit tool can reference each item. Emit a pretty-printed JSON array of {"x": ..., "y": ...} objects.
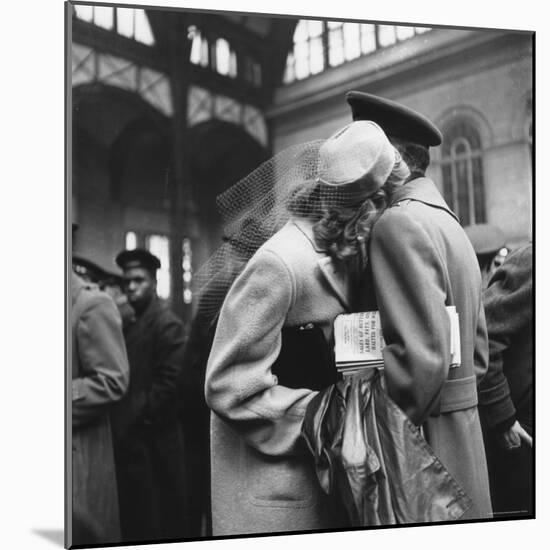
[{"x": 281, "y": 482}]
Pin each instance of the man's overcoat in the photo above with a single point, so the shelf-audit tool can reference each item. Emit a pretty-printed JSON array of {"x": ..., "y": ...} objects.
[
  {"x": 263, "y": 478},
  {"x": 99, "y": 378},
  {"x": 422, "y": 261},
  {"x": 507, "y": 390},
  {"x": 148, "y": 439}
]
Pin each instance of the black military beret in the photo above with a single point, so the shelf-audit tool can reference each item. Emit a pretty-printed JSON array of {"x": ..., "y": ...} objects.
[
  {"x": 138, "y": 257},
  {"x": 396, "y": 120}
]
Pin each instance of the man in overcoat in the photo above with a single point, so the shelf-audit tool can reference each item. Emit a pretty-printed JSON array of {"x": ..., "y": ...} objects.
[
  {"x": 506, "y": 392},
  {"x": 99, "y": 378},
  {"x": 148, "y": 441},
  {"x": 422, "y": 261}
]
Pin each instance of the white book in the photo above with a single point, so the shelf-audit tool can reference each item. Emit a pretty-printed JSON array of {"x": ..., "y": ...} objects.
[{"x": 359, "y": 341}]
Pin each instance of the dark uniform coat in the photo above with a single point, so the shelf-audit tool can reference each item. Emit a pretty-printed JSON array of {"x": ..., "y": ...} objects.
[
  {"x": 99, "y": 378},
  {"x": 507, "y": 390},
  {"x": 422, "y": 261},
  {"x": 263, "y": 479},
  {"x": 148, "y": 438}
]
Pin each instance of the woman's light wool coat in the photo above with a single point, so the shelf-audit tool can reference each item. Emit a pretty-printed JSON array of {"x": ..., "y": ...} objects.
[{"x": 262, "y": 475}]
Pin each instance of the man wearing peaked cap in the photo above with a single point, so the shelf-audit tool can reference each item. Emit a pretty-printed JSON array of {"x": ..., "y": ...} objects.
[
  {"x": 100, "y": 377},
  {"x": 87, "y": 270},
  {"x": 140, "y": 283},
  {"x": 147, "y": 436},
  {"x": 420, "y": 262},
  {"x": 138, "y": 257},
  {"x": 396, "y": 119}
]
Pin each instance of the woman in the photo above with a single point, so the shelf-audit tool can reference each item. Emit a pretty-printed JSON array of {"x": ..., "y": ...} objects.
[{"x": 302, "y": 277}]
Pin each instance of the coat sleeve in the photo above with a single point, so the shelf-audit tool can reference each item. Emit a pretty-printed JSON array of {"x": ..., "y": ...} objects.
[
  {"x": 409, "y": 282},
  {"x": 240, "y": 386},
  {"x": 481, "y": 346},
  {"x": 507, "y": 302},
  {"x": 103, "y": 361}
]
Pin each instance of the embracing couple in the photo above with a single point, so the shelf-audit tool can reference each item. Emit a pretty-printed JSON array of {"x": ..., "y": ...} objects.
[{"x": 364, "y": 230}]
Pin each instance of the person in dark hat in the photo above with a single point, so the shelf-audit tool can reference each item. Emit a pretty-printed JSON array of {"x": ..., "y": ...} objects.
[
  {"x": 420, "y": 262},
  {"x": 100, "y": 377},
  {"x": 87, "y": 270},
  {"x": 139, "y": 279},
  {"x": 506, "y": 392},
  {"x": 146, "y": 429},
  {"x": 107, "y": 281}
]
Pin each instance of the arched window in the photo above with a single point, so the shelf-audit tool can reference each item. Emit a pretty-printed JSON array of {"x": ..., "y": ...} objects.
[
  {"x": 216, "y": 53},
  {"x": 225, "y": 58},
  {"x": 199, "y": 47},
  {"x": 462, "y": 170},
  {"x": 307, "y": 57}
]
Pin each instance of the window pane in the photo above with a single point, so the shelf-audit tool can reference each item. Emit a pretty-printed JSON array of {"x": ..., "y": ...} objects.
[
  {"x": 233, "y": 64},
  {"x": 368, "y": 39},
  {"x": 352, "y": 43},
  {"x": 103, "y": 17},
  {"x": 315, "y": 28},
  {"x": 131, "y": 240},
  {"x": 196, "y": 48},
  {"x": 302, "y": 60},
  {"x": 316, "y": 62},
  {"x": 125, "y": 22},
  {"x": 187, "y": 271},
  {"x": 143, "y": 31},
  {"x": 301, "y": 32},
  {"x": 462, "y": 180},
  {"x": 335, "y": 47},
  {"x": 420, "y": 30},
  {"x": 448, "y": 186},
  {"x": 86, "y": 13},
  {"x": 479, "y": 191},
  {"x": 460, "y": 148},
  {"x": 222, "y": 56},
  {"x": 289, "y": 72},
  {"x": 334, "y": 24},
  {"x": 404, "y": 32},
  {"x": 187, "y": 296},
  {"x": 205, "y": 59},
  {"x": 159, "y": 246},
  {"x": 386, "y": 35}
]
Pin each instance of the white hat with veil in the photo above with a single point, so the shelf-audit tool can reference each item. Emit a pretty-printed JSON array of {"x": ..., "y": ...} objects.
[{"x": 304, "y": 180}]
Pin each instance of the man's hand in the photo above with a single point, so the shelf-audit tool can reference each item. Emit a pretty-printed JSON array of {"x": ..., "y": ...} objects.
[{"x": 513, "y": 436}]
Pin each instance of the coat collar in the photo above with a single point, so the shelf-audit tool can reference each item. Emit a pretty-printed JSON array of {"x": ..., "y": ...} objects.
[
  {"x": 422, "y": 190},
  {"x": 337, "y": 280},
  {"x": 306, "y": 227}
]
